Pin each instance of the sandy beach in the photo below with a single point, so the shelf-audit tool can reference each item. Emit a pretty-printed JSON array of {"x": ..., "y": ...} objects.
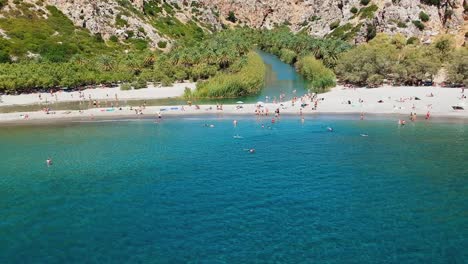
[
  {"x": 398, "y": 101},
  {"x": 98, "y": 94}
]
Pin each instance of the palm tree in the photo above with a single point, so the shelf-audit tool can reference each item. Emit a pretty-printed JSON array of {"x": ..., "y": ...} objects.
[
  {"x": 106, "y": 62},
  {"x": 79, "y": 59}
]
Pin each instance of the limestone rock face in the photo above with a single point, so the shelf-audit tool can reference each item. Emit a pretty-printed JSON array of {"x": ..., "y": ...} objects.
[
  {"x": 316, "y": 17},
  {"x": 100, "y": 17}
]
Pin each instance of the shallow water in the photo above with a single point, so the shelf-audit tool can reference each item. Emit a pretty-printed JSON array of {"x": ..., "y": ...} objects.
[
  {"x": 176, "y": 192},
  {"x": 280, "y": 78}
]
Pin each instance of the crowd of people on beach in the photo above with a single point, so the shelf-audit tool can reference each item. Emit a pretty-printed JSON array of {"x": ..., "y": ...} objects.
[{"x": 291, "y": 103}]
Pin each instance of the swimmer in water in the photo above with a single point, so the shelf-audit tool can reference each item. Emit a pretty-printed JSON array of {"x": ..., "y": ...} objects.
[
  {"x": 330, "y": 129},
  {"x": 234, "y": 123},
  {"x": 251, "y": 150},
  {"x": 49, "y": 162}
]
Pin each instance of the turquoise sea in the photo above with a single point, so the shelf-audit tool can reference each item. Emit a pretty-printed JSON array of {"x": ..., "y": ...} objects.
[{"x": 133, "y": 191}]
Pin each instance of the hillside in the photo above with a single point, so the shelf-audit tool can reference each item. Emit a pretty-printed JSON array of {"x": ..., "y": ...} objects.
[
  {"x": 160, "y": 22},
  {"x": 74, "y": 43},
  {"x": 353, "y": 20}
]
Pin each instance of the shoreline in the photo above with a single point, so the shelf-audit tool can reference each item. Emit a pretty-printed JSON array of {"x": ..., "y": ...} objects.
[
  {"x": 104, "y": 94},
  {"x": 396, "y": 102},
  {"x": 223, "y": 115}
]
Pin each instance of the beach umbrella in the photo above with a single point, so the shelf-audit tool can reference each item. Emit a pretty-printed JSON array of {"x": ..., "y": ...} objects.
[{"x": 239, "y": 102}]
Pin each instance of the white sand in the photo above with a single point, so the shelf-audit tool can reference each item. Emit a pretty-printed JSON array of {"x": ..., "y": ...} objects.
[
  {"x": 334, "y": 101},
  {"x": 99, "y": 94}
]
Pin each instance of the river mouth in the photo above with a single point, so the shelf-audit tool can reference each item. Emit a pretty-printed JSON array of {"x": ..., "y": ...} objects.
[{"x": 280, "y": 78}]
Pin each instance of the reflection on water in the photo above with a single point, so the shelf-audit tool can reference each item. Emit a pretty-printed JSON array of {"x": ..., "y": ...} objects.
[{"x": 281, "y": 78}]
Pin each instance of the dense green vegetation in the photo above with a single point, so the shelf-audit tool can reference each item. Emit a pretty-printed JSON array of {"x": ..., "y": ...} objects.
[
  {"x": 398, "y": 61},
  {"x": 314, "y": 70},
  {"x": 457, "y": 70},
  {"x": 280, "y": 41},
  {"x": 240, "y": 80},
  {"x": 56, "y": 39}
]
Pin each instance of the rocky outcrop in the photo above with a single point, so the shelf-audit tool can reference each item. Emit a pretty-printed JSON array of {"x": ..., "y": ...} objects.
[
  {"x": 316, "y": 16},
  {"x": 347, "y": 19},
  {"x": 108, "y": 18}
]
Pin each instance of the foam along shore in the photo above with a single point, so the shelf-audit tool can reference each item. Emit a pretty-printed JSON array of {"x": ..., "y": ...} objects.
[
  {"x": 99, "y": 94},
  {"x": 385, "y": 100}
]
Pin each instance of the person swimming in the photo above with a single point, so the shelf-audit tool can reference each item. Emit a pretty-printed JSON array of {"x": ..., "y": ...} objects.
[
  {"x": 49, "y": 162},
  {"x": 251, "y": 150},
  {"x": 330, "y": 129}
]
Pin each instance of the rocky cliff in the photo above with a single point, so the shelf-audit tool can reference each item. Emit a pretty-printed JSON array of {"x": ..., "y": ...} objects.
[{"x": 353, "y": 20}]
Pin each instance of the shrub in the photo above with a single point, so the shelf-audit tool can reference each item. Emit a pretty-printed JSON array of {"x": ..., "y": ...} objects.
[
  {"x": 114, "y": 38},
  {"x": 334, "y": 25},
  {"x": 419, "y": 24},
  {"x": 314, "y": 18},
  {"x": 98, "y": 37},
  {"x": 401, "y": 24},
  {"x": 431, "y": 2},
  {"x": 354, "y": 10},
  {"x": 288, "y": 56},
  {"x": 4, "y": 57},
  {"x": 457, "y": 70},
  {"x": 423, "y": 16},
  {"x": 162, "y": 44},
  {"x": 412, "y": 40},
  {"x": 249, "y": 80},
  {"x": 368, "y": 12},
  {"x": 120, "y": 22},
  {"x": 314, "y": 70},
  {"x": 139, "y": 84},
  {"x": 371, "y": 32},
  {"x": 125, "y": 86},
  {"x": 364, "y": 2},
  {"x": 231, "y": 17}
]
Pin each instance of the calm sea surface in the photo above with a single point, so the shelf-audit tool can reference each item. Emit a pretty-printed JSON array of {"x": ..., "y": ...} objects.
[{"x": 180, "y": 192}]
